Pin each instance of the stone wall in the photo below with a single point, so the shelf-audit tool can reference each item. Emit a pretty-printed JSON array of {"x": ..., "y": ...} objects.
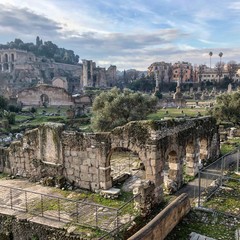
[
  {"x": 13, "y": 228},
  {"x": 165, "y": 221},
  {"x": 52, "y": 96},
  {"x": 85, "y": 159}
]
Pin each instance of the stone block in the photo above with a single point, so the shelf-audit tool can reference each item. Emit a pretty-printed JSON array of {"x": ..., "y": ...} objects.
[
  {"x": 95, "y": 177},
  {"x": 174, "y": 166},
  {"x": 86, "y": 162},
  {"x": 67, "y": 153},
  {"x": 105, "y": 185},
  {"x": 84, "y": 184},
  {"x": 74, "y": 153},
  {"x": 93, "y": 162},
  {"x": 91, "y": 155},
  {"x": 75, "y": 161},
  {"x": 86, "y": 177},
  {"x": 70, "y": 171},
  {"x": 191, "y": 164},
  {"x": 77, "y": 174},
  {"x": 82, "y": 154},
  {"x": 94, "y": 186},
  {"x": 93, "y": 170},
  {"x": 84, "y": 169}
]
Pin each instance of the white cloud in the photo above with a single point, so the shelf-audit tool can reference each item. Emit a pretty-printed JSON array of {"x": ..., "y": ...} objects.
[{"x": 130, "y": 34}]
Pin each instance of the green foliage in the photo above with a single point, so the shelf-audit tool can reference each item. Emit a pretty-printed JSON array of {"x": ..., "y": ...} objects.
[
  {"x": 208, "y": 224},
  {"x": 158, "y": 94},
  {"x": 115, "y": 108},
  {"x": 227, "y": 108},
  {"x": 33, "y": 110},
  {"x": 13, "y": 108},
  {"x": 3, "y": 102},
  {"x": 175, "y": 112},
  {"x": 10, "y": 116},
  {"x": 44, "y": 49},
  {"x": 143, "y": 84},
  {"x": 230, "y": 145},
  {"x": 226, "y": 199}
]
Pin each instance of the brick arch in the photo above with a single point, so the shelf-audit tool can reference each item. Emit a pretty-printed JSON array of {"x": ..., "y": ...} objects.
[
  {"x": 141, "y": 154},
  {"x": 122, "y": 168}
]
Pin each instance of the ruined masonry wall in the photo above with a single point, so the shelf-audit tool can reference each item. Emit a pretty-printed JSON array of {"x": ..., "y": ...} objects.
[
  {"x": 13, "y": 228},
  {"x": 84, "y": 159},
  {"x": 165, "y": 221}
]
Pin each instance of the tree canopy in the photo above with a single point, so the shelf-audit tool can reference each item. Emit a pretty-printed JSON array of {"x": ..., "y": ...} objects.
[
  {"x": 115, "y": 108},
  {"x": 44, "y": 49},
  {"x": 227, "y": 108}
]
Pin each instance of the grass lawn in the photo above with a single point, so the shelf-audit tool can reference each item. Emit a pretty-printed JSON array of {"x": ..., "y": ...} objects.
[
  {"x": 227, "y": 198},
  {"x": 229, "y": 145},
  {"x": 208, "y": 224},
  {"x": 174, "y": 112}
]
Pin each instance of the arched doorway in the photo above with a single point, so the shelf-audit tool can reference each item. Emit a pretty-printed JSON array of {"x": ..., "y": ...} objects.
[
  {"x": 126, "y": 168},
  {"x": 44, "y": 99}
]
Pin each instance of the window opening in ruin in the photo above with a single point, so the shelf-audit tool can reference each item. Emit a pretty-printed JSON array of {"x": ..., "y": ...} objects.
[
  {"x": 12, "y": 57},
  {"x": 6, "y": 57},
  {"x": 126, "y": 167}
]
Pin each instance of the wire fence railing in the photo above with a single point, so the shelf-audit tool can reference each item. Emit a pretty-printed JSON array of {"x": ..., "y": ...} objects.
[
  {"x": 215, "y": 177},
  {"x": 65, "y": 210}
]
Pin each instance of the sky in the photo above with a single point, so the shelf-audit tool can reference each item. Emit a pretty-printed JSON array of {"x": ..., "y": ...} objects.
[{"x": 129, "y": 33}]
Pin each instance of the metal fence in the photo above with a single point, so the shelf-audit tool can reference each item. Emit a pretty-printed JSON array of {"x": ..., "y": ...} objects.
[
  {"x": 65, "y": 210},
  {"x": 211, "y": 178}
]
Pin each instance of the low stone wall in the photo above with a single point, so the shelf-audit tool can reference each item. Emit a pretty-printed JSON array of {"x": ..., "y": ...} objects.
[
  {"x": 165, "y": 221},
  {"x": 13, "y": 228}
]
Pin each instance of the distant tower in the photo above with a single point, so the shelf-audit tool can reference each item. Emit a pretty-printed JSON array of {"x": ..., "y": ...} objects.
[{"x": 87, "y": 73}]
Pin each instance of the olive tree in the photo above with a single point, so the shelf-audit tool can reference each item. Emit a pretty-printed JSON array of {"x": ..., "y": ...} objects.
[
  {"x": 117, "y": 107},
  {"x": 227, "y": 108}
]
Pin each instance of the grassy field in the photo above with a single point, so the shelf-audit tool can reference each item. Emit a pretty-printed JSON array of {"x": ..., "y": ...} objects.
[
  {"x": 214, "y": 224},
  {"x": 174, "y": 112},
  {"x": 229, "y": 145},
  {"x": 207, "y": 224}
]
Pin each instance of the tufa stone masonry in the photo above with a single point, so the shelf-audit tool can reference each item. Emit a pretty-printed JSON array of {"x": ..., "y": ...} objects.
[{"x": 85, "y": 159}]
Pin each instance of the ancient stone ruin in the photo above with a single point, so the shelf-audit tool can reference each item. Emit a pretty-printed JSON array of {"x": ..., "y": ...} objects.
[{"x": 164, "y": 147}]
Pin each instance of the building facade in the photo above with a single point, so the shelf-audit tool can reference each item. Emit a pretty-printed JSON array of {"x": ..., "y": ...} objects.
[{"x": 11, "y": 59}]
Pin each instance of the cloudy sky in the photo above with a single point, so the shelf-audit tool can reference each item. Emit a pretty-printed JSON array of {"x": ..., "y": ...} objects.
[{"x": 129, "y": 33}]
